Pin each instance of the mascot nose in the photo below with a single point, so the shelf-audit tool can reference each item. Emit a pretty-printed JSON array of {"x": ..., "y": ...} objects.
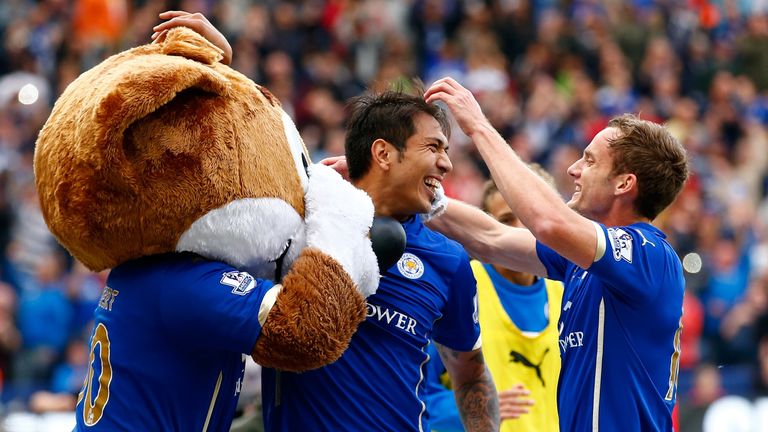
[{"x": 388, "y": 241}]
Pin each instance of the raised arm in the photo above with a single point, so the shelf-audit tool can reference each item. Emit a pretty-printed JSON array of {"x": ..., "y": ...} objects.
[
  {"x": 530, "y": 198},
  {"x": 473, "y": 388},
  {"x": 489, "y": 240}
]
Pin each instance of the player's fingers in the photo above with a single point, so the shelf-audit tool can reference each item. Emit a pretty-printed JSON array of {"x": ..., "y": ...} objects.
[
  {"x": 512, "y": 412},
  {"x": 182, "y": 21},
  {"x": 159, "y": 37},
  {"x": 439, "y": 86},
  {"x": 172, "y": 14},
  {"x": 515, "y": 392},
  {"x": 332, "y": 160},
  {"x": 508, "y": 400},
  {"x": 435, "y": 96},
  {"x": 450, "y": 82}
]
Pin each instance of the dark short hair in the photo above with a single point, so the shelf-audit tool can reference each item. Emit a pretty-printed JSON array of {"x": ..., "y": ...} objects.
[
  {"x": 389, "y": 116},
  {"x": 654, "y": 156}
]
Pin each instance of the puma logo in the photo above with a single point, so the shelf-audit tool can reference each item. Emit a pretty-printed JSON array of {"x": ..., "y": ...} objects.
[
  {"x": 645, "y": 240},
  {"x": 516, "y": 357}
]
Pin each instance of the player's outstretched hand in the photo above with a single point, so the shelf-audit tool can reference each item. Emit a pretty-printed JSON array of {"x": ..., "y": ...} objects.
[
  {"x": 460, "y": 101},
  {"x": 514, "y": 402},
  {"x": 197, "y": 22},
  {"x": 339, "y": 164}
]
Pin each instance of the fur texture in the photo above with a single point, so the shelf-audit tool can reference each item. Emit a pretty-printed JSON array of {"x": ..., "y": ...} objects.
[
  {"x": 297, "y": 335},
  {"x": 161, "y": 149}
]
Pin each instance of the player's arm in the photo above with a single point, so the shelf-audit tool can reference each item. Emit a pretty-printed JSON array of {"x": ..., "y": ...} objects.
[
  {"x": 473, "y": 388},
  {"x": 489, "y": 240},
  {"x": 533, "y": 201},
  {"x": 197, "y": 22}
]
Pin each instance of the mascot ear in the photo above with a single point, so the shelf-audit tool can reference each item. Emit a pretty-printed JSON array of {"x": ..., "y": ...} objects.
[
  {"x": 142, "y": 85},
  {"x": 82, "y": 157}
]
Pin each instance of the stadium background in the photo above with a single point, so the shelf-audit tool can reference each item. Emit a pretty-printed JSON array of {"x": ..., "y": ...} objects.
[{"x": 548, "y": 73}]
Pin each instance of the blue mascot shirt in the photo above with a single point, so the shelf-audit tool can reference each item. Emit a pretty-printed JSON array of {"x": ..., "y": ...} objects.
[{"x": 168, "y": 348}]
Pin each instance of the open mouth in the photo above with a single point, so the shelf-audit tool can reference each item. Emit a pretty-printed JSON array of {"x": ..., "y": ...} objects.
[{"x": 432, "y": 184}]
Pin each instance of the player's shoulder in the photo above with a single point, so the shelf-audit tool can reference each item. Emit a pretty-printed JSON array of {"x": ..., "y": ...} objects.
[
  {"x": 638, "y": 237},
  {"x": 439, "y": 243},
  {"x": 171, "y": 266}
]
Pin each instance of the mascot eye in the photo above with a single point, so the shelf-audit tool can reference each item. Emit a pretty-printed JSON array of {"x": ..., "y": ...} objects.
[{"x": 304, "y": 162}]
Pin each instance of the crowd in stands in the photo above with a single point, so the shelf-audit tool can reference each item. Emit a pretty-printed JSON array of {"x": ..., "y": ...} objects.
[{"x": 548, "y": 73}]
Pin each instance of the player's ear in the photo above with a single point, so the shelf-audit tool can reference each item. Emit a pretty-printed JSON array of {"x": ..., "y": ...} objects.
[
  {"x": 625, "y": 183},
  {"x": 381, "y": 153}
]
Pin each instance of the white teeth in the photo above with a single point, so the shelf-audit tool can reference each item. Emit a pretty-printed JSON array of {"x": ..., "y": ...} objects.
[{"x": 432, "y": 183}]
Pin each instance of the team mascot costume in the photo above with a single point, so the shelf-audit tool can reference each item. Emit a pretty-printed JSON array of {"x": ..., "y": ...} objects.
[{"x": 193, "y": 186}]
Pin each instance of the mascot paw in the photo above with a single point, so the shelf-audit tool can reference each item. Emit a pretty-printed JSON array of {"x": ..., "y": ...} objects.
[{"x": 339, "y": 218}]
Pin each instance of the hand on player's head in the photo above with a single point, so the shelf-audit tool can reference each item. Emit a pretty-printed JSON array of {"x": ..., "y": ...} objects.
[
  {"x": 197, "y": 22},
  {"x": 460, "y": 102}
]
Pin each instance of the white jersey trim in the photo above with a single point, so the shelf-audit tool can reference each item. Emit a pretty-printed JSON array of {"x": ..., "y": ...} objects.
[
  {"x": 478, "y": 343},
  {"x": 421, "y": 378},
  {"x": 213, "y": 402},
  {"x": 267, "y": 302},
  {"x": 598, "y": 367},
  {"x": 600, "y": 248}
]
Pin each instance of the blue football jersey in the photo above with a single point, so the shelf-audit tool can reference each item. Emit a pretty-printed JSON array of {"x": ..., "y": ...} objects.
[
  {"x": 619, "y": 332},
  {"x": 378, "y": 383},
  {"x": 169, "y": 344}
]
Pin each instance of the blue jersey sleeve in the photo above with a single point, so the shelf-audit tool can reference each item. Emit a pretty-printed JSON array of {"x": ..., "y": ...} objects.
[
  {"x": 633, "y": 263},
  {"x": 459, "y": 328},
  {"x": 214, "y": 306},
  {"x": 555, "y": 264}
]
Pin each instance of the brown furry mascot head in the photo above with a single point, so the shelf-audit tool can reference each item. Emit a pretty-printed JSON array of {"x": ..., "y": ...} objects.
[{"x": 163, "y": 150}]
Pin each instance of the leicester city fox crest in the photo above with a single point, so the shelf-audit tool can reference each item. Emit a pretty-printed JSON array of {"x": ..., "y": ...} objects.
[{"x": 410, "y": 266}]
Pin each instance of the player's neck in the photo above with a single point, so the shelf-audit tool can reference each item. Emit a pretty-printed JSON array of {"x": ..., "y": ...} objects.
[
  {"x": 620, "y": 216},
  {"x": 517, "y": 278},
  {"x": 381, "y": 197}
]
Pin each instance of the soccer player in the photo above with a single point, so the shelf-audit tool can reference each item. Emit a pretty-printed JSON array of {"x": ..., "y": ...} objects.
[
  {"x": 620, "y": 317},
  {"x": 519, "y": 314},
  {"x": 396, "y": 150}
]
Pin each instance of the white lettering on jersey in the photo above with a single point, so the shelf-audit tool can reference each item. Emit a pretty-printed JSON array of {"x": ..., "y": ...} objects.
[
  {"x": 572, "y": 340},
  {"x": 391, "y": 317},
  {"x": 621, "y": 243},
  {"x": 108, "y": 298},
  {"x": 241, "y": 282}
]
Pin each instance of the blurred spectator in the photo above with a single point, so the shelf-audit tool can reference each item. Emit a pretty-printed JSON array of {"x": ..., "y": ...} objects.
[
  {"x": 706, "y": 389},
  {"x": 45, "y": 316}
]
